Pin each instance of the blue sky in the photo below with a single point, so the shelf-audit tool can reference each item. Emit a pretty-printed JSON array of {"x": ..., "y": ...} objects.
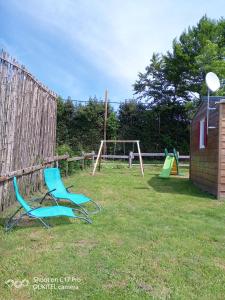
[{"x": 80, "y": 48}]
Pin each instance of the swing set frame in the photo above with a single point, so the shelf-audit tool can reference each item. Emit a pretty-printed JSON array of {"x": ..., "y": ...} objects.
[{"x": 104, "y": 142}]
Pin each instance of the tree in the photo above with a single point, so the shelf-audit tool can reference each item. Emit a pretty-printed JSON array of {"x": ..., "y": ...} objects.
[
  {"x": 65, "y": 116},
  {"x": 156, "y": 128},
  {"x": 81, "y": 127},
  {"x": 198, "y": 50},
  {"x": 172, "y": 83},
  {"x": 181, "y": 72}
]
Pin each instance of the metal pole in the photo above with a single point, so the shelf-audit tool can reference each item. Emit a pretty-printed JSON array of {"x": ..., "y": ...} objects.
[
  {"x": 207, "y": 118},
  {"x": 105, "y": 120}
]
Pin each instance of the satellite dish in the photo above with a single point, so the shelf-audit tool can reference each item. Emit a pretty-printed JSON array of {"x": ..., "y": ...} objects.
[{"x": 212, "y": 81}]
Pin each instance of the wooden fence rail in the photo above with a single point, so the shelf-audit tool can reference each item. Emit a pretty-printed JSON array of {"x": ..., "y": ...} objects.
[
  {"x": 161, "y": 155},
  {"x": 109, "y": 156},
  {"x": 132, "y": 156},
  {"x": 32, "y": 169}
]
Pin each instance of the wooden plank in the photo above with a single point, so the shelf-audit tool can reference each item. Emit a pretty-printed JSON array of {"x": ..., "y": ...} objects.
[
  {"x": 76, "y": 158},
  {"x": 119, "y": 141},
  {"x": 140, "y": 159},
  {"x": 9, "y": 175},
  {"x": 160, "y": 155}
]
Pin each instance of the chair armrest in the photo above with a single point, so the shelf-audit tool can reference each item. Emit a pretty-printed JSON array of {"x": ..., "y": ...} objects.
[
  {"x": 68, "y": 187},
  {"x": 47, "y": 194},
  {"x": 51, "y": 191}
]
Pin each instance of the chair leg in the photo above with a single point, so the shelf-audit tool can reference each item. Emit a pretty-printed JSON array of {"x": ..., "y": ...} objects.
[
  {"x": 11, "y": 218},
  {"x": 84, "y": 211},
  {"x": 11, "y": 223},
  {"x": 89, "y": 221},
  {"x": 44, "y": 223},
  {"x": 98, "y": 207}
]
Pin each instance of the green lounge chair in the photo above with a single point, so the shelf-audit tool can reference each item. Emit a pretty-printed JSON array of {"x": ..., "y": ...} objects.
[
  {"x": 39, "y": 212},
  {"x": 58, "y": 191}
]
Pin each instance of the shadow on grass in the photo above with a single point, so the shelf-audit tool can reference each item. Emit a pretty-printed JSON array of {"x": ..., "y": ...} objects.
[
  {"x": 27, "y": 222},
  {"x": 177, "y": 185},
  {"x": 34, "y": 223}
]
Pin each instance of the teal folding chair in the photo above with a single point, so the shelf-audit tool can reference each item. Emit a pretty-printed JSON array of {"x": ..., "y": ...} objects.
[
  {"x": 58, "y": 191},
  {"x": 40, "y": 212}
]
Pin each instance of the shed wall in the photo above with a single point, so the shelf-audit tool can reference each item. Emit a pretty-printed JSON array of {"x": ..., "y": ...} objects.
[
  {"x": 221, "y": 169},
  {"x": 204, "y": 162}
]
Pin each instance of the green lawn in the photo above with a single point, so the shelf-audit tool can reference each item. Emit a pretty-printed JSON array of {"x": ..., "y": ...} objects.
[{"x": 154, "y": 239}]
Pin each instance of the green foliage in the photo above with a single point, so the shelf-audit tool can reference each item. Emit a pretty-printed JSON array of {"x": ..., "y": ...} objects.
[
  {"x": 198, "y": 50},
  {"x": 173, "y": 83},
  {"x": 135, "y": 124},
  {"x": 65, "y": 149},
  {"x": 81, "y": 127},
  {"x": 65, "y": 116},
  {"x": 176, "y": 75},
  {"x": 112, "y": 125},
  {"x": 63, "y": 165},
  {"x": 156, "y": 127}
]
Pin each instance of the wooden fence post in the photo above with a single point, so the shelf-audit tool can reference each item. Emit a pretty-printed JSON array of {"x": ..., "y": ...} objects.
[
  {"x": 67, "y": 166},
  {"x": 98, "y": 157},
  {"x": 131, "y": 157},
  {"x": 83, "y": 160},
  {"x": 93, "y": 158},
  {"x": 57, "y": 162}
]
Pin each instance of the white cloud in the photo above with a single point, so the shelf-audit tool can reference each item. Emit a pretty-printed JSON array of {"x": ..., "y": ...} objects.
[{"x": 116, "y": 37}]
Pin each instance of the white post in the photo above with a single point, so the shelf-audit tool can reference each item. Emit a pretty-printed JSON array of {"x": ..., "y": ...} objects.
[
  {"x": 130, "y": 159},
  {"x": 140, "y": 158},
  {"x": 99, "y": 154},
  {"x": 207, "y": 116}
]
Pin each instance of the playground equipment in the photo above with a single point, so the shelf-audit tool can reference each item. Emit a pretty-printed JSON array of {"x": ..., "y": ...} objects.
[
  {"x": 171, "y": 164},
  {"x": 104, "y": 142}
]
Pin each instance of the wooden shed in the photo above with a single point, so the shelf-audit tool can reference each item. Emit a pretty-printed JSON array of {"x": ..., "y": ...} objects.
[{"x": 207, "y": 147}]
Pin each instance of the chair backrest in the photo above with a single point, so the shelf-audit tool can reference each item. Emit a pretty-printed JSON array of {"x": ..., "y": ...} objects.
[
  {"x": 19, "y": 197},
  {"x": 53, "y": 180}
]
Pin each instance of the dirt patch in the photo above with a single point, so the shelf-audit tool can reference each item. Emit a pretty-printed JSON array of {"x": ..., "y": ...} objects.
[
  {"x": 220, "y": 264},
  {"x": 83, "y": 247},
  {"x": 116, "y": 284},
  {"x": 145, "y": 287}
]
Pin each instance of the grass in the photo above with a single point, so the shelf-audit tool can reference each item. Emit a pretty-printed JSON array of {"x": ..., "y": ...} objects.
[{"x": 154, "y": 239}]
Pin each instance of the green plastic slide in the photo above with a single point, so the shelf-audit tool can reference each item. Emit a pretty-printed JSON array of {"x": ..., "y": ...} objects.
[{"x": 167, "y": 167}]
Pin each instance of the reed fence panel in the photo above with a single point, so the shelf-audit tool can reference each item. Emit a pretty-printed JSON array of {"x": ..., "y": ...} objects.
[{"x": 27, "y": 126}]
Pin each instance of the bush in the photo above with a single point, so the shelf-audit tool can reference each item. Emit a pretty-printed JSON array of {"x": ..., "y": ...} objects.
[{"x": 72, "y": 166}]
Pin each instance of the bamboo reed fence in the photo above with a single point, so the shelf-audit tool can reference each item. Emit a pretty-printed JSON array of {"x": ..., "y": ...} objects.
[{"x": 27, "y": 127}]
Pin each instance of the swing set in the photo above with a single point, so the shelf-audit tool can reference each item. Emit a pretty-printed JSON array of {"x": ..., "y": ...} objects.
[{"x": 103, "y": 147}]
